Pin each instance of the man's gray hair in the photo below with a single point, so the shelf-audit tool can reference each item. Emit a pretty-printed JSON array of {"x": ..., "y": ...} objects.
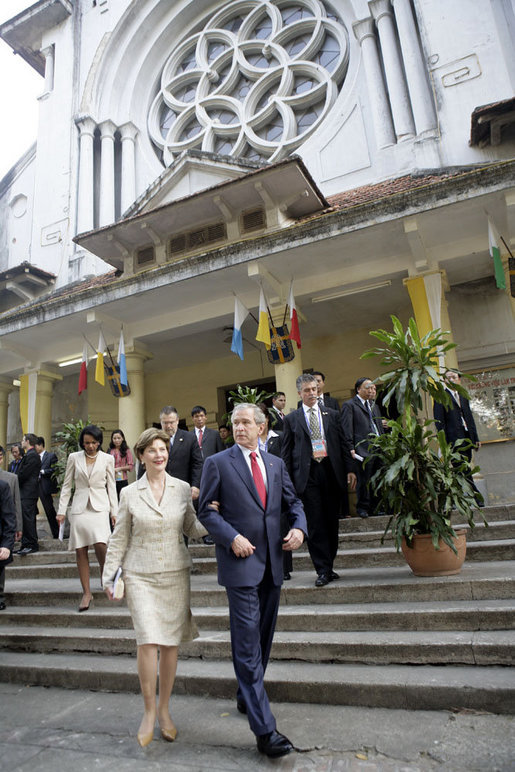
[
  {"x": 168, "y": 410},
  {"x": 259, "y": 416},
  {"x": 304, "y": 378}
]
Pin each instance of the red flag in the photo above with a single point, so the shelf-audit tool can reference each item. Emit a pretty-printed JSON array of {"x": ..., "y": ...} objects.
[
  {"x": 83, "y": 376},
  {"x": 294, "y": 322}
]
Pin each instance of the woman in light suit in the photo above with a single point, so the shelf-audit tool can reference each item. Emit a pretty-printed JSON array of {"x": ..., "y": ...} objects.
[
  {"x": 91, "y": 471},
  {"x": 148, "y": 542}
]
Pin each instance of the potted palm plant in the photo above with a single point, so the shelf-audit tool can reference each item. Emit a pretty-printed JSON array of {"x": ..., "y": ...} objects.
[{"x": 422, "y": 480}]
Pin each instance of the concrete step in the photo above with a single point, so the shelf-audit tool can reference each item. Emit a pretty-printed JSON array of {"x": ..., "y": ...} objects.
[
  {"x": 409, "y": 687},
  {"x": 502, "y": 529},
  {"x": 501, "y": 549},
  {"x": 404, "y": 616},
  {"x": 371, "y": 647},
  {"x": 477, "y": 581}
]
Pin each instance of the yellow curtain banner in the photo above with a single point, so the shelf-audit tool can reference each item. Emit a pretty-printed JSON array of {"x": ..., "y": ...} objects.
[
  {"x": 417, "y": 292},
  {"x": 24, "y": 403}
]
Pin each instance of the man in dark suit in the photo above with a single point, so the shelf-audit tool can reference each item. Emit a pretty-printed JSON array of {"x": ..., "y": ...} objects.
[
  {"x": 48, "y": 485},
  {"x": 458, "y": 424},
  {"x": 321, "y": 468},
  {"x": 361, "y": 418},
  {"x": 209, "y": 440},
  {"x": 243, "y": 493},
  {"x": 184, "y": 458},
  {"x": 324, "y": 400},
  {"x": 277, "y": 411},
  {"x": 17, "y": 454},
  {"x": 28, "y": 478},
  {"x": 12, "y": 480},
  {"x": 7, "y": 531}
]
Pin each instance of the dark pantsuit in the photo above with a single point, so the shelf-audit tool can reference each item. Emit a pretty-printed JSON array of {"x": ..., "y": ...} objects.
[
  {"x": 321, "y": 502},
  {"x": 29, "y": 511},
  {"x": 253, "y": 613}
]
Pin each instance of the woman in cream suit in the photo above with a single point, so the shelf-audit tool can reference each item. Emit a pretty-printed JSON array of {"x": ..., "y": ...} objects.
[
  {"x": 148, "y": 542},
  {"x": 91, "y": 471}
]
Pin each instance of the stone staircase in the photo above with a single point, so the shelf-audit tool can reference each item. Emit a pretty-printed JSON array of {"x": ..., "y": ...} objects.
[{"x": 378, "y": 637}]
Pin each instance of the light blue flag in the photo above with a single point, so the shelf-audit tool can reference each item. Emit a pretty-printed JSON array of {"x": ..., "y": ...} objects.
[{"x": 240, "y": 314}]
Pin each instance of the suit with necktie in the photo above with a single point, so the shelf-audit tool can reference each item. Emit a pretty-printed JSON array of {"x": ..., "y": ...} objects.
[
  {"x": 253, "y": 583},
  {"x": 458, "y": 423},
  {"x": 321, "y": 485},
  {"x": 278, "y": 422},
  {"x": 48, "y": 486},
  {"x": 28, "y": 478},
  {"x": 360, "y": 421},
  {"x": 211, "y": 442}
]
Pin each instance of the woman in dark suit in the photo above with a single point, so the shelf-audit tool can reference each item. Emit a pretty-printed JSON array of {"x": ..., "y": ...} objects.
[{"x": 91, "y": 471}]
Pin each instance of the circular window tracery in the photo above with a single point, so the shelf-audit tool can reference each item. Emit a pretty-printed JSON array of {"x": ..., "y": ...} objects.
[{"x": 256, "y": 81}]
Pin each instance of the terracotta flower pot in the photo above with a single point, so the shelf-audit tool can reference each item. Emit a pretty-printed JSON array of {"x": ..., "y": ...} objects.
[{"x": 424, "y": 560}]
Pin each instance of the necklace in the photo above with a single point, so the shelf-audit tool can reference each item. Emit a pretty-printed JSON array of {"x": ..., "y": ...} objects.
[{"x": 89, "y": 456}]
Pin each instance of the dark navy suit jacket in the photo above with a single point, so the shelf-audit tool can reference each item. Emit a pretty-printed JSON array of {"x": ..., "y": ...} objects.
[{"x": 226, "y": 478}]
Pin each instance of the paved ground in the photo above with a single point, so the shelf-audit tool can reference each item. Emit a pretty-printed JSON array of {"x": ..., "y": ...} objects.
[{"x": 59, "y": 729}]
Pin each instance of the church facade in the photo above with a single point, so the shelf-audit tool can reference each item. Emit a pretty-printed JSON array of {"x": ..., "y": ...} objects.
[{"x": 192, "y": 152}]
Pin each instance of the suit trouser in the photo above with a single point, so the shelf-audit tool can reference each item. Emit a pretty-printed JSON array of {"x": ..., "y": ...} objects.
[
  {"x": 29, "y": 511},
  {"x": 366, "y": 499},
  {"x": 321, "y": 500},
  {"x": 2, "y": 582},
  {"x": 51, "y": 514},
  {"x": 253, "y": 613}
]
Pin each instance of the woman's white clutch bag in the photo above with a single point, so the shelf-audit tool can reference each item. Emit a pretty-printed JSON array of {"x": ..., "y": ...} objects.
[{"x": 118, "y": 585}]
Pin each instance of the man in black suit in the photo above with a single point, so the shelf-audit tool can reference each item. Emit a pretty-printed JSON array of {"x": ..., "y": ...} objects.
[
  {"x": 7, "y": 531},
  {"x": 48, "y": 485},
  {"x": 361, "y": 418},
  {"x": 324, "y": 400},
  {"x": 14, "y": 486},
  {"x": 209, "y": 440},
  {"x": 321, "y": 468},
  {"x": 184, "y": 458},
  {"x": 277, "y": 411},
  {"x": 458, "y": 424},
  {"x": 17, "y": 454},
  {"x": 28, "y": 478}
]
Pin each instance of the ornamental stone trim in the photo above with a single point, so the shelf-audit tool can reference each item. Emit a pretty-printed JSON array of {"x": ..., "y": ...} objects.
[{"x": 255, "y": 81}]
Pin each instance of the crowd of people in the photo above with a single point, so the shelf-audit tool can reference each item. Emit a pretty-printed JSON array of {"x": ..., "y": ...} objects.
[{"x": 257, "y": 489}]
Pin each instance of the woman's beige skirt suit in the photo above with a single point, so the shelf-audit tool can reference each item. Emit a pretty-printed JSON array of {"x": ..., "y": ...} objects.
[
  {"x": 148, "y": 542},
  {"x": 94, "y": 499}
]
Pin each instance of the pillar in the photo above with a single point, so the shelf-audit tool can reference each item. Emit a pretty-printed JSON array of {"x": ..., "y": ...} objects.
[
  {"x": 286, "y": 374},
  {"x": 131, "y": 409},
  {"x": 48, "y": 53},
  {"x": 6, "y": 386},
  {"x": 395, "y": 80},
  {"x": 43, "y": 413},
  {"x": 128, "y": 134},
  {"x": 420, "y": 93},
  {"x": 106, "y": 212},
  {"x": 381, "y": 116},
  {"x": 86, "y": 194}
]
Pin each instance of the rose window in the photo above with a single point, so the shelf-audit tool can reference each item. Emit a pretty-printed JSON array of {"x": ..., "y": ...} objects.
[{"x": 254, "y": 82}]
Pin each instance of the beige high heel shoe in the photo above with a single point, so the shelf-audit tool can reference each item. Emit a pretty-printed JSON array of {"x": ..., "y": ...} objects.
[
  {"x": 144, "y": 738},
  {"x": 169, "y": 734}
]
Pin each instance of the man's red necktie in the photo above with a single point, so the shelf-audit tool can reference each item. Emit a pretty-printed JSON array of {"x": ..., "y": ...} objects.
[
  {"x": 200, "y": 438},
  {"x": 258, "y": 478}
]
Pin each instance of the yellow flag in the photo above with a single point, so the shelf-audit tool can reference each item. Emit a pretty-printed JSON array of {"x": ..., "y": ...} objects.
[
  {"x": 263, "y": 333},
  {"x": 99, "y": 370}
]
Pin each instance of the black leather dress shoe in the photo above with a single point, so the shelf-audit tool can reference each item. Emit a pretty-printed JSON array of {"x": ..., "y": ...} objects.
[
  {"x": 2, "y": 605},
  {"x": 208, "y": 540},
  {"x": 27, "y": 551},
  {"x": 242, "y": 708},
  {"x": 322, "y": 580},
  {"x": 286, "y": 576},
  {"x": 273, "y": 744},
  {"x": 334, "y": 576},
  {"x": 361, "y": 513}
]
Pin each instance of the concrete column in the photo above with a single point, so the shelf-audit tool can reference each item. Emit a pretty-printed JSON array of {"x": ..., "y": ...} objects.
[
  {"x": 128, "y": 193},
  {"x": 6, "y": 386},
  {"x": 395, "y": 79},
  {"x": 286, "y": 374},
  {"x": 48, "y": 53},
  {"x": 421, "y": 97},
  {"x": 86, "y": 195},
  {"x": 43, "y": 414},
  {"x": 131, "y": 409},
  {"x": 381, "y": 116},
  {"x": 106, "y": 211}
]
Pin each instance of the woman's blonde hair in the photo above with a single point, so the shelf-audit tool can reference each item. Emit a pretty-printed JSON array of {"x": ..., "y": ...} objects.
[{"x": 147, "y": 437}]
